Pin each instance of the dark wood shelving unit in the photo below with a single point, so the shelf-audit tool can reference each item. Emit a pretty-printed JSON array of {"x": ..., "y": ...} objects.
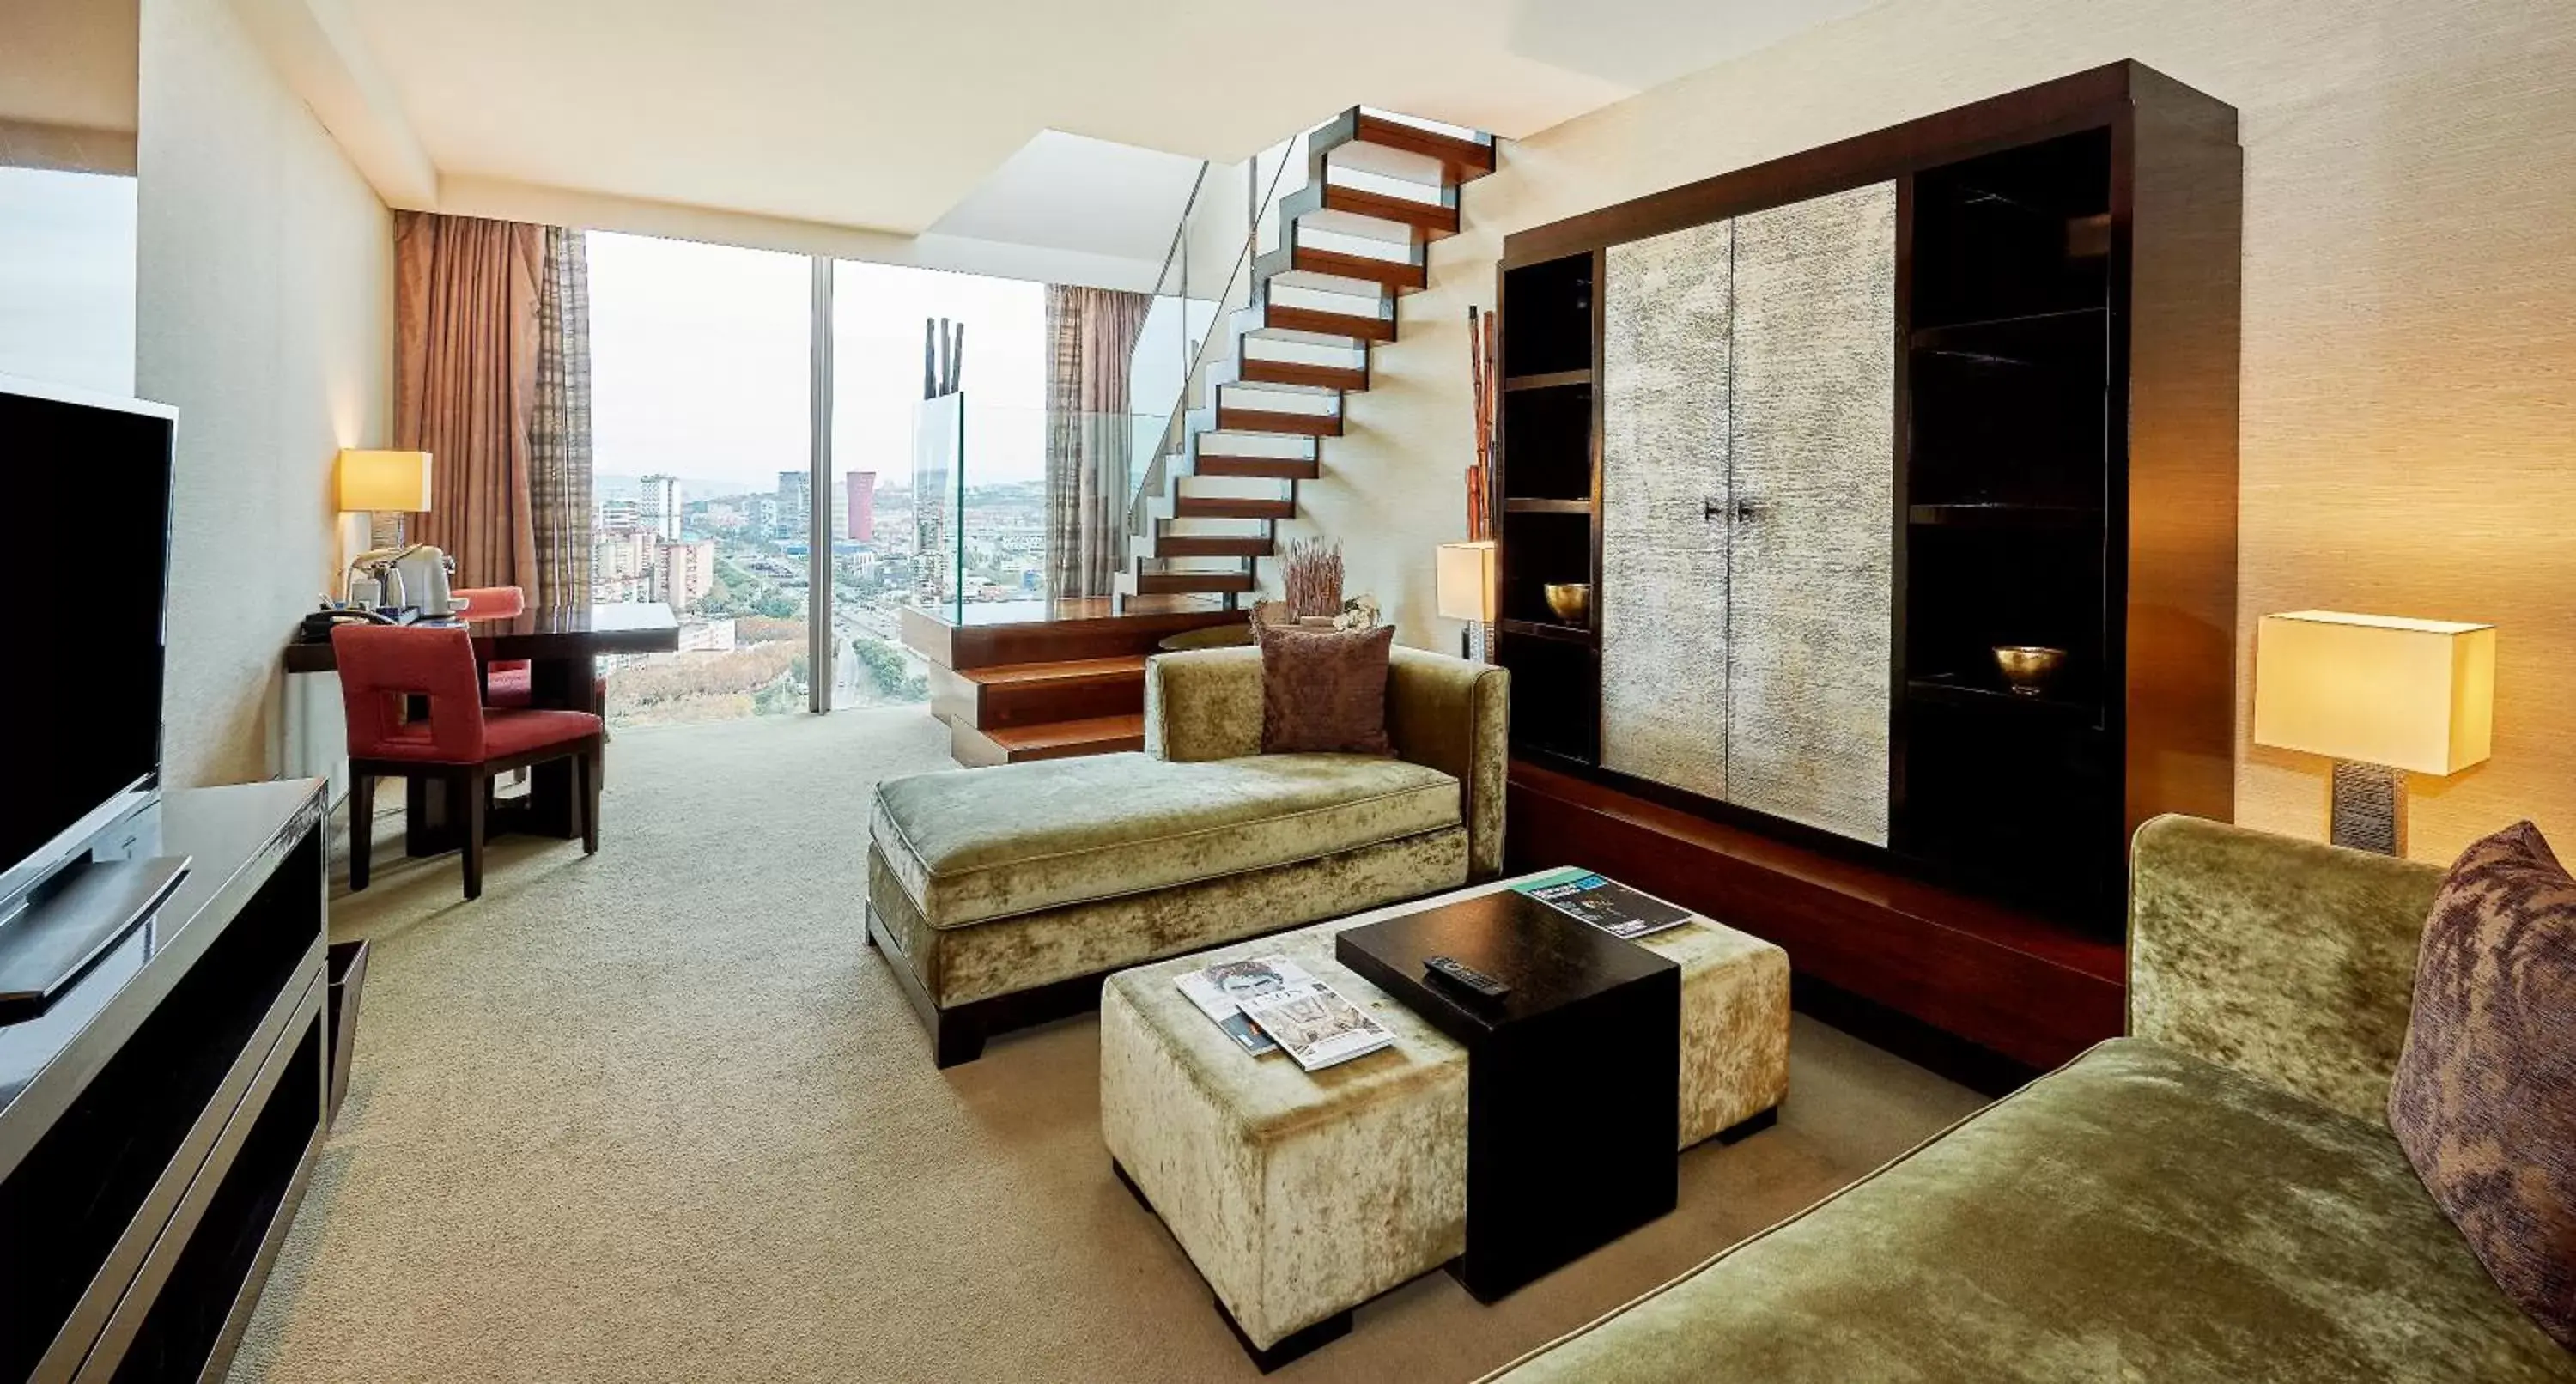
[
  {"x": 1549, "y": 629},
  {"x": 2004, "y": 516},
  {"x": 1548, "y": 471},
  {"x": 2066, "y": 352},
  {"x": 1558, "y": 379},
  {"x": 1948, "y": 689}
]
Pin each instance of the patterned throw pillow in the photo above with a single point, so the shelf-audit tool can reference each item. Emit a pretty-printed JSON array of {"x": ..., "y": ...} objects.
[
  {"x": 1324, "y": 690},
  {"x": 2485, "y": 1097}
]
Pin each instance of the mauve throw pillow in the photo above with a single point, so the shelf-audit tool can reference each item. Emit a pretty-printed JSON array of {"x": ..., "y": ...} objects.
[
  {"x": 1324, "y": 690},
  {"x": 2485, "y": 1097}
]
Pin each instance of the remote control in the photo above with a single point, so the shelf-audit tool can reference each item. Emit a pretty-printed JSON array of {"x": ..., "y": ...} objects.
[{"x": 1457, "y": 972}]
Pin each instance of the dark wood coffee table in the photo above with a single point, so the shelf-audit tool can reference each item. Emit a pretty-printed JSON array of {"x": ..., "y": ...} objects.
[{"x": 1572, "y": 1078}]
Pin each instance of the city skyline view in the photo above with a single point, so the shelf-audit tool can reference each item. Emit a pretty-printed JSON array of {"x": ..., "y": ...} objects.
[{"x": 701, "y": 491}]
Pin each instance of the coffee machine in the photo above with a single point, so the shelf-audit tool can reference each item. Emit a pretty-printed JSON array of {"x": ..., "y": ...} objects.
[{"x": 416, "y": 575}]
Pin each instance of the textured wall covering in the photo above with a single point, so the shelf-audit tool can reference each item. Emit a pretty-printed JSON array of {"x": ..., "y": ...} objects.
[
  {"x": 1815, "y": 402},
  {"x": 2409, "y": 359},
  {"x": 264, "y": 312},
  {"x": 1665, "y": 338}
]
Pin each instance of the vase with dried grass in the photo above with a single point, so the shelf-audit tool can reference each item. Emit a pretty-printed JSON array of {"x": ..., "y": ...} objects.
[{"x": 1311, "y": 578}]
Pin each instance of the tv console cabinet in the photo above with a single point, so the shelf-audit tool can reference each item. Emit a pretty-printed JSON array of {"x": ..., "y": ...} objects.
[{"x": 158, "y": 1121}]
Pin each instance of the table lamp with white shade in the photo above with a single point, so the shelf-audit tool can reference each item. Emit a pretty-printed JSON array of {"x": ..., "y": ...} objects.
[
  {"x": 384, "y": 485},
  {"x": 2382, "y": 696},
  {"x": 1464, "y": 580}
]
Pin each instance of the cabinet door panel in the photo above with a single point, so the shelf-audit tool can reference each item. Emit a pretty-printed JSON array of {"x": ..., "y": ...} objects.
[
  {"x": 1809, "y": 641},
  {"x": 1662, "y": 604}
]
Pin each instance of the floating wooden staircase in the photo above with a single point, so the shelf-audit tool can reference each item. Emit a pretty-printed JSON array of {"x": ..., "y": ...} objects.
[
  {"x": 1071, "y": 680},
  {"x": 1350, "y": 242}
]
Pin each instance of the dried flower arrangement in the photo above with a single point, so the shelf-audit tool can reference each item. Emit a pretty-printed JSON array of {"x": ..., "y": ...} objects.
[{"x": 1312, "y": 577}]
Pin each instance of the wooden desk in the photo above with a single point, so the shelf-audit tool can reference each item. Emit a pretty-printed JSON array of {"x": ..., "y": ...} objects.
[
  {"x": 562, "y": 645},
  {"x": 545, "y": 634}
]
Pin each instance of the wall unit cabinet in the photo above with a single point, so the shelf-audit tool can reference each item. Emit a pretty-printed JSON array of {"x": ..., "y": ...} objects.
[
  {"x": 1746, "y": 466},
  {"x": 1857, "y": 417}
]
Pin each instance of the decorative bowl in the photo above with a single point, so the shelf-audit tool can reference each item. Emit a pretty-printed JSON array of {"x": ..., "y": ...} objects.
[
  {"x": 2029, "y": 668},
  {"x": 1571, "y": 600}
]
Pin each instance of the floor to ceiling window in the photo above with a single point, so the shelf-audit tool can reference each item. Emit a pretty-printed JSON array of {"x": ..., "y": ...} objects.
[
  {"x": 879, "y": 313},
  {"x": 706, "y": 481},
  {"x": 701, "y": 445}
]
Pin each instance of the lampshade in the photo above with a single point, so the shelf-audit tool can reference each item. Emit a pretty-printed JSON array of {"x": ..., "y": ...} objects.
[
  {"x": 1465, "y": 580},
  {"x": 2376, "y": 689},
  {"x": 374, "y": 480}
]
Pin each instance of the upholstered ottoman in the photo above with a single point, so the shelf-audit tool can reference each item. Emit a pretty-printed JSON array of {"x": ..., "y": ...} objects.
[
  {"x": 1300, "y": 1196},
  {"x": 1735, "y": 1028}
]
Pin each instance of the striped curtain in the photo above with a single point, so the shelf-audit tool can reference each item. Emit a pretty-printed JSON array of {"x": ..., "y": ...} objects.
[
  {"x": 1091, "y": 332},
  {"x": 559, "y": 461}
]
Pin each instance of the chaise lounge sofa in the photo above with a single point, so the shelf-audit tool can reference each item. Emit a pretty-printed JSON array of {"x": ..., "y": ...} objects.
[
  {"x": 1002, "y": 896},
  {"x": 2216, "y": 1197}
]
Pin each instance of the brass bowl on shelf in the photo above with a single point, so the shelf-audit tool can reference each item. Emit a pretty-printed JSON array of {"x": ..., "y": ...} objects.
[
  {"x": 2028, "y": 669},
  {"x": 1571, "y": 600}
]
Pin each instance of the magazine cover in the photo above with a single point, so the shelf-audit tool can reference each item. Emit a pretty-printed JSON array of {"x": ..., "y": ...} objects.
[
  {"x": 1606, "y": 904},
  {"x": 1217, "y": 990},
  {"x": 1317, "y": 1026}
]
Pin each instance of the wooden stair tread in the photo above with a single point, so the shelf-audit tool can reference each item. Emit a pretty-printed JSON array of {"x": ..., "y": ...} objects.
[
  {"x": 1072, "y": 670},
  {"x": 1266, "y": 468},
  {"x": 1250, "y": 420},
  {"x": 1297, "y": 319},
  {"x": 1150, "y": 583},
  {"x": 1429, "y": 220},
  {"x": 1262, "y": 370},
  {"x": 1398, "y": 275},
  {"x": 1211, "y": 545},
  {"x": 1229, "y": 507},
  {"x": 1461, "y": 160},
  {"x": 1065, "y": 735}
]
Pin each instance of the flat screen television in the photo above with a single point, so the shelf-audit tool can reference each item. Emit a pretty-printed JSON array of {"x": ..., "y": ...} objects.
[{"x": 86, "y": 564}]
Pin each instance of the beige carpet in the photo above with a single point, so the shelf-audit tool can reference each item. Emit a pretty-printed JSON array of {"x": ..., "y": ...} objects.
[{"x": 656, "y": 1115}]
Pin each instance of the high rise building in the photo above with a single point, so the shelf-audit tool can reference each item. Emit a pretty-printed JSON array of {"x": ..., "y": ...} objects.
[
  {"x": 661, "y": 506},
  {"x": 683, "y": 573},
  {"x": 621, "y": 565},
  {"x": 863, "y": 506},
  {"x": 795, "y": 504},
  {"x": 620, "y": 512}
]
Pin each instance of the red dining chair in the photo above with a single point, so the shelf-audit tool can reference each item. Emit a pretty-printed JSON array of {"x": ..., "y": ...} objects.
[
  {"x": 507, "y": 682},
  {"x": 460, "y": 742}
]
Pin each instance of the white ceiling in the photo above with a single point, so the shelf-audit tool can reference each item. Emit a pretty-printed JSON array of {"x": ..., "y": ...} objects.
[
  {"x": 988, "y": 118},
  {"x": 1128, "y": 199}
]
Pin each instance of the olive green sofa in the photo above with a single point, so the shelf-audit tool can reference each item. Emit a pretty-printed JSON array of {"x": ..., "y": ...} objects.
[
  {"x": 1001, "y": 896},
  {"x": 2213, "y": 1198}
]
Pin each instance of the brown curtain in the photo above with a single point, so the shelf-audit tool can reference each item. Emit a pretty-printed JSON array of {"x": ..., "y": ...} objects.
[
  {"x": 465, "y": 385},
  {"x": 559, "y": 434},
  {"x": 1090, "y": 334}
]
